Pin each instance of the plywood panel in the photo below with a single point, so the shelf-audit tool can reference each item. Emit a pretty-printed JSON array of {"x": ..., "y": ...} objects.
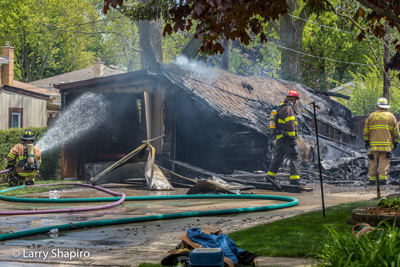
[{"x": 158, "y": 117}]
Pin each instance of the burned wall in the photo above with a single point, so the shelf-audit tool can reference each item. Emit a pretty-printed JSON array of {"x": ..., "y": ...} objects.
[
  {"x": 201, "y": 137},
  {"x": 120, "y": 131}
]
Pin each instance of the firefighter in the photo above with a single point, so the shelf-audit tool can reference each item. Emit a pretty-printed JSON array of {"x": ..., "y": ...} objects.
[
  {"x": 381, "y": 135},
  {"x": 25, "y": 159},
  {"x": 286, "y": 139}
]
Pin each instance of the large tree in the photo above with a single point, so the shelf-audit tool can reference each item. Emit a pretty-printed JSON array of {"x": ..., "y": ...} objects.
[
  {"x": 238, "y": 19},
  {"x": 214, "y": 20},
  {"x": 44, "y": 36},
  {"x": 291, "y": 37}
]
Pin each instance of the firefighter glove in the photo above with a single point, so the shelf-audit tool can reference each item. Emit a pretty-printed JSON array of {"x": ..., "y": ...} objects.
[
  {"x": 367, "y": 144},
  {"x": 395, "y": 145},
  {"x": 9, "y": 166}
]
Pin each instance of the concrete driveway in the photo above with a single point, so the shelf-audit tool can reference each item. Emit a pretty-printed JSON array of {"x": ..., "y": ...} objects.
[{"x": 131, "y": 244}]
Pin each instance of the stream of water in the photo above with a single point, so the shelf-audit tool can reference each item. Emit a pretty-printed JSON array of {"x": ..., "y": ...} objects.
[{"x": 85, "y": 114}]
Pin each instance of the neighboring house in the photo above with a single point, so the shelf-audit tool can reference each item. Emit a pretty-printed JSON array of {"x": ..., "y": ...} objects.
[
  {"x": 95, "y": 71},
  {"x": 344, "y": 89},
  {"x": 206, "y": 117},
  {"x": 38, "y": 103},
  {"x": 21, "y": 104}
]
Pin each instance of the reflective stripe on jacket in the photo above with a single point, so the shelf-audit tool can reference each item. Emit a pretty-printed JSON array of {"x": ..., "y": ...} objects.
[
  {"x": 287, "y": 123},
  {"x": 381, "y": 130},
  {"x": 16, "y": 154}
]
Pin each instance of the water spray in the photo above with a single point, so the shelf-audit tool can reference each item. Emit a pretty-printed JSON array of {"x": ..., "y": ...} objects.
[{"x": 84, "y": 114}]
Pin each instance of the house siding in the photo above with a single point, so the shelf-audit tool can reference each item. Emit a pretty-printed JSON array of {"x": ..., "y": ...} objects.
[{"x": 34, "y": 109}]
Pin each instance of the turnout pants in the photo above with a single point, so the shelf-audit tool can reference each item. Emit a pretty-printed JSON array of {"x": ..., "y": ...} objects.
[
  {"x": 379, "y": 164},
  {"x": 286, "y": 147}
]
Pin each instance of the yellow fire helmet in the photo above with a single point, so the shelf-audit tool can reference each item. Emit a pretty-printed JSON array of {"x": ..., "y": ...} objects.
[{"x": 28, "y": 135}]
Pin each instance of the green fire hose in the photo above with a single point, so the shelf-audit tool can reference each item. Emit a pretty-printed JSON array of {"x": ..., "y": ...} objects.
[{"x": 290, "y": 201}]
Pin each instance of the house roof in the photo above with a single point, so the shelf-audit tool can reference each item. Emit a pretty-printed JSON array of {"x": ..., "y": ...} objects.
[
  {"x": 341, "y": 87},
  {"x": 22, "y": 91},
  {"x": 73, "y": 76},
  {"x": 32, "y": 88},
  {"x": 249, "y": 100}
]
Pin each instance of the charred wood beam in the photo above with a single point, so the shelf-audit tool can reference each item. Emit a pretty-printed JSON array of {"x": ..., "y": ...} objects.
[
  {"x": 263, "y": 185},
  {"x": 321, "y": 120},
  {"x": 304, "y": 124},
  {"x": 325, "y": 93},
  {"x": 239, "y": 178},
  {"x": 338, "y": 142},
  {"x": 325, "y": 137}
]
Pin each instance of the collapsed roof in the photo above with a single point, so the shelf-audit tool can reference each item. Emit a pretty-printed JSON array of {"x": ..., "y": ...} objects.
[{"x": 249, "y": 100}]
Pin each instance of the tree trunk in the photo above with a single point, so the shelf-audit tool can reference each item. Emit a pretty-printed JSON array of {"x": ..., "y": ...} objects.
[
  {"x": 291, "y": 33},
  {"x": 225, "y": 55},
  {"x": 191, "y": 50},
  {"x": 150, "y": 42},
  {"x": 386, "y": 81}
]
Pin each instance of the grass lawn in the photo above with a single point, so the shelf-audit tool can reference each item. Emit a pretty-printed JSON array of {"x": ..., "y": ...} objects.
[
  {"x": 299, "y": 236},
  {"x": 39, "y": 189}
]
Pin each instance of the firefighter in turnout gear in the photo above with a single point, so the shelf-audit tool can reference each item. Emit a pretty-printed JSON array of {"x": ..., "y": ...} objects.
[
  {"x": 286, "y": 139},
  {"x": 25, "y": 159},
  {"x": 381, "y": 135}
]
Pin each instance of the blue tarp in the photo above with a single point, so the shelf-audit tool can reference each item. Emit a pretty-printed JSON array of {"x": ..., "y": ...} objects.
[{"x": 215, "y": 241}]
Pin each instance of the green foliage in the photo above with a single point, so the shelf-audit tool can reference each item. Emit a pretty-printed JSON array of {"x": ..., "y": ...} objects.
[
  {"x": 325, "y": 42},
  {"x": 366, "y": 91},
  {"x": 380, "y": 247},
  {"x": 391, "y": 202},
  {"x": 254, "y": 59},
  {"x": 296, "y": 236},
  {"x": 50, "y": 160},
  {"x": 119, "y": 40},
  {"x": 44, "y": 36}
]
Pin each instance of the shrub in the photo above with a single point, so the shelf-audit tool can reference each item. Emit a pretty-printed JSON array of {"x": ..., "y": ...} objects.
[
  {"x": 50, "y": 160},
  {"x": 380, "y": 247},
  {"x": 391, "y": 202}
]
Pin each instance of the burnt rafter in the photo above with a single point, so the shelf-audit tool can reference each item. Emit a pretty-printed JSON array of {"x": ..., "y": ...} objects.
[
  {"x": 223, "y": 92},
  {"x": 326, "y": 93}
]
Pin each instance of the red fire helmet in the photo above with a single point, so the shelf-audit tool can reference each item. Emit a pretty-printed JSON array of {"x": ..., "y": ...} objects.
[{"x": 293, "y": 93}]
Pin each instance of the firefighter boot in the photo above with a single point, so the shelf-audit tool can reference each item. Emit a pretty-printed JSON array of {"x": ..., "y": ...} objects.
[
  {"x": 382, "y": 182},
  {"x": 371, "y": 182},
  {"x": 29, "y": 182},
  {"x": 295, "y": 182},
  {"x": 13, "y": 181},
  {"x": 270, "y": 178}
]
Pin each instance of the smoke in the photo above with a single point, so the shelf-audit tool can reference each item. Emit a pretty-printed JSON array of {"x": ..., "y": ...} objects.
[
  {"x": 85, "y": 114},
  {"x": 194, "y": 66}
]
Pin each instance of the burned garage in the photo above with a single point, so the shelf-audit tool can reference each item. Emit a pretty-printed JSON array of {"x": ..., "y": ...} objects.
[{"x": 202, "y": 117}]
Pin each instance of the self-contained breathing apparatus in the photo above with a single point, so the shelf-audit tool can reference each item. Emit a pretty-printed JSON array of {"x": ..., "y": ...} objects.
[
  {"x": 29, "y": 163},
  {"x": 273, "y": 121}
]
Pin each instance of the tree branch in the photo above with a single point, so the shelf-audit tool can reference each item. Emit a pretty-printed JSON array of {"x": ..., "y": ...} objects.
[
  {"x": 387, "y": 12},
  {"x": 366, "y": 37},
  {"x": 370, "y": 46},
  {"x": 110, "y": 32}
]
